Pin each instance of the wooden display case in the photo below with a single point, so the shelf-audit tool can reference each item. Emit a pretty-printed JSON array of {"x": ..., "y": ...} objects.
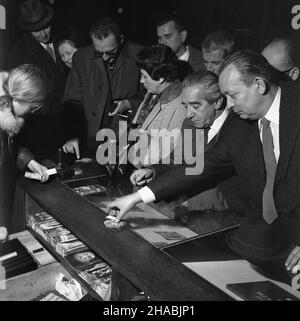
[{"x": 146, "y": 267}]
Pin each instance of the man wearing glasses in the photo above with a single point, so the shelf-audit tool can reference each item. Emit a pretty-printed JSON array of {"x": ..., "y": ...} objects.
[
  {"x": 281, "y": 54},
  {"x": 104, "y": 81}
]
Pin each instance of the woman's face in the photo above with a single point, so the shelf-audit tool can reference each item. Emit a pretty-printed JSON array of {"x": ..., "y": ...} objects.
[
  {"x": 66, "y": 51},
  {"x": 152, "y": 86}
]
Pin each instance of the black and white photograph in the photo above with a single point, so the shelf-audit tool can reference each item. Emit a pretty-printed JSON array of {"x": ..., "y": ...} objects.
[{"x": 149, "y": 151}]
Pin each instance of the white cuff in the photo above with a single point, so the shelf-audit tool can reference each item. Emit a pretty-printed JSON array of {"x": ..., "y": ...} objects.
[{"x": 146, "y": 195}]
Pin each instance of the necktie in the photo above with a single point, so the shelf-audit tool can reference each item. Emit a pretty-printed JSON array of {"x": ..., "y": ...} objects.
[
  {"x": 50, "y": 50},
  {"x": 269, "y": 210},
  {"x": 205, "y": 132}
]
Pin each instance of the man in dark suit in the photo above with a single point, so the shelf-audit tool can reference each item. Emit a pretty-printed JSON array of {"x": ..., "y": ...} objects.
[
  {"x": 260, "y": 142},
  {"x": 104, "y": 81},
  {"x": 37, "y": 46},
  {"x": 172, "y": 33}
]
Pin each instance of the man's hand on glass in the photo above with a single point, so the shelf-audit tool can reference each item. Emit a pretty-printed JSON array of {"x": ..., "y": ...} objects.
[{"x": 121, "y": 206}]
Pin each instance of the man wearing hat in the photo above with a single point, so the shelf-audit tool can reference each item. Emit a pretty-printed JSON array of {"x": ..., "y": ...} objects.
[
  {"x": 38, "y": 47},
  {"x": 260, "y": 143}
]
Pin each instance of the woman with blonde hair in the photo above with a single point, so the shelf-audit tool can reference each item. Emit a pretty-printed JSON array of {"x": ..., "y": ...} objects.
[{"x": 23, "y": 90}]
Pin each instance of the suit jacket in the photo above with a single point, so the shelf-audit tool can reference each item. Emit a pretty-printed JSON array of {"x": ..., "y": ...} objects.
[
  {"x": 195, "y": 59},
  {"x": 40, "y": 133},
  {"x": 88, "y": 85},
  {"x": 28, "y": 51},
  {"x": 239, "y": 151}
]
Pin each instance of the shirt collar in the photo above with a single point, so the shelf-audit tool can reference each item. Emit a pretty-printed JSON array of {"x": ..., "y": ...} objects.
[
  {"x": 218, "y": 122},
  {"x": 273, "y": 113},
  {"x": 186, "y": 55}
]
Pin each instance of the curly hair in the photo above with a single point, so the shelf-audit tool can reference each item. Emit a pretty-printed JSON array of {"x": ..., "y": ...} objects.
[{"x": 159, "y": 61}]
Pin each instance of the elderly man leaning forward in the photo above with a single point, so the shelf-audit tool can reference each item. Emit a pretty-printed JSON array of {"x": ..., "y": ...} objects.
[{"x": 22, "y": 91}]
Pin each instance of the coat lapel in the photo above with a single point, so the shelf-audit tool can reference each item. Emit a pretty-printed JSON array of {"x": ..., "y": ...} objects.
[
  {"x": 119, "y": 63},
  {"x": 288, "y": 132},
  {"x": 156, "y": 109},
  {"x": 103, "y": 78}
]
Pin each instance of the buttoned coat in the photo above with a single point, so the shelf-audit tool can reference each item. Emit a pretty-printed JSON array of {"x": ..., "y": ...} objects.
[{"x": 88, "y": 84}]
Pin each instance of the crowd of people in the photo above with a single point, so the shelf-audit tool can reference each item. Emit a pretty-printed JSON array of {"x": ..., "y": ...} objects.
[{"x": 243, "y": 103}]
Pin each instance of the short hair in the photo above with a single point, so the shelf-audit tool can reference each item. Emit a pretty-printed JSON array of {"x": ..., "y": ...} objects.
[
  {"x": 250, "y": 65},
  {"x": 160, "y": 62},
  {"x": 219, "y": 40},
  {"x": 163, "y": 19},
  {"x": 208, "y": 80},
  {"x": 27, "y": 85},
  {"x": 102, "y": 28},
  {"x": 72, "y": 36},
  {"x": 289, "y": 50}
]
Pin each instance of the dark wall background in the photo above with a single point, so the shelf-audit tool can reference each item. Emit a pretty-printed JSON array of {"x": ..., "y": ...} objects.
[{"x": 254, "y": 22}]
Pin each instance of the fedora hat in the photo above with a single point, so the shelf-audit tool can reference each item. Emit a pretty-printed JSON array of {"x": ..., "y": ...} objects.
[
  {"x": 259, "y": 241},
  {"x": 34, "y": 16}
]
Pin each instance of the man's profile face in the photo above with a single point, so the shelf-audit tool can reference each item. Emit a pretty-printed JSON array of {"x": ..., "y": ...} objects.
[
  {"x": 42, "y": 36},
  {"x": 244, "y": 100},
  {"x": 107, "y": 47},
  {"x": 201, "y": 112},
  {"x": 213, "y": 60},
  {"x": 168, "y": 35}
]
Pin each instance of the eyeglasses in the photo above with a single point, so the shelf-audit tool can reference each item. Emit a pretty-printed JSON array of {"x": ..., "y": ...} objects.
[
  {"x": 110, "y": 53},
  {"x": 287, "y": 71},
  {"x": 33, "y": 107}
]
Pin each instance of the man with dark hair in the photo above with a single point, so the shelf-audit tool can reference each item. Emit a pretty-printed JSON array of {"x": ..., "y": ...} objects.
[
  {"x": 281, "y": 54},
  {"x": 216, "y": 46},
  {"x": 172, "y": 33},
  {"x": 260, "y": 143},
  {"x": 38, "y": 46},
  {"x": 104, "y": 81}
]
